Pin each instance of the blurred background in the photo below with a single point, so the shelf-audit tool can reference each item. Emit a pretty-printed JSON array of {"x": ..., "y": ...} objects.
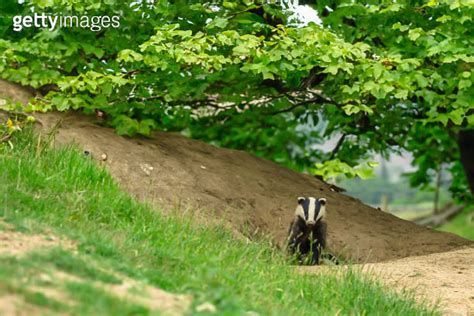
[{"x": 390, "y": 191}]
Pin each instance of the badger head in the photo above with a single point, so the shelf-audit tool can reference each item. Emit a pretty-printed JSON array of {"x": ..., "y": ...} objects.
[{"x": 311, "y": 209}]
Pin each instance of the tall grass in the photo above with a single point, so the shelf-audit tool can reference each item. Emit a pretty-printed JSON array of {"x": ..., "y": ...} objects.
[{"x": 66, "y": 191}]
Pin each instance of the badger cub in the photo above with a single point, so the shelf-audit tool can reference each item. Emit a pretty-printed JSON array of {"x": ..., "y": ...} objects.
[{"x": 307, "y": 233}]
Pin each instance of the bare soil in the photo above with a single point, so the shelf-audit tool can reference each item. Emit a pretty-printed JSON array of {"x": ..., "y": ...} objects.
[
  {"x": 447, "y": 277},
  {"x": 17, "y": 244},
  {"x": 14, "y": 305}
]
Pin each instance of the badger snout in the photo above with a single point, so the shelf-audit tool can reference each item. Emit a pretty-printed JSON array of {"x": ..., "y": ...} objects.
[{"x": 310, "y": 223}]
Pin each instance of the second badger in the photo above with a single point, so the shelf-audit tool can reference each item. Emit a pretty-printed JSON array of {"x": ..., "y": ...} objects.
[{"x": 307, "y": 233}]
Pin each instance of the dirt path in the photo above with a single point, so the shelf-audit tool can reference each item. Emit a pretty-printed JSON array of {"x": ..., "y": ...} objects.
[{"x": 447, "y": 278}]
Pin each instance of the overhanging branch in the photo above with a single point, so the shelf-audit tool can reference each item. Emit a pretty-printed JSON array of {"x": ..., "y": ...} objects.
[{"x": 338, "y": 146}]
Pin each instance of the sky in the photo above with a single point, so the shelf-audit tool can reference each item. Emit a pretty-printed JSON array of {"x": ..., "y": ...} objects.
[{"x": 304, "y": 14}]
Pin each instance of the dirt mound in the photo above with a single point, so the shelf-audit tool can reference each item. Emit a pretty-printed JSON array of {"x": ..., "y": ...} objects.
[
  {"x": 170, "y": 170},
  {"x": 248, "y": 192}
]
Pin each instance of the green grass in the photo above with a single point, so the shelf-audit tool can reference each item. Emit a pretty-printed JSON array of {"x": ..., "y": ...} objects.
[
  {"x": 462, "y": 224},
  {"x": 411, "y": 215},
  {"x": 63, "y": 191}
]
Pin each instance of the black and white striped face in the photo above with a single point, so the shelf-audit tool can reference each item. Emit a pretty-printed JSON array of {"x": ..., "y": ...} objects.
[{"x": 311, "y": 209}]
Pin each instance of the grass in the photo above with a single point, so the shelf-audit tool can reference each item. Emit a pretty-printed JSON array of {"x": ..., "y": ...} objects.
[
  {"x": 411, "y": 215},
  {"x": 462, "y": 224},
  {"x": 63, "y": 191}
]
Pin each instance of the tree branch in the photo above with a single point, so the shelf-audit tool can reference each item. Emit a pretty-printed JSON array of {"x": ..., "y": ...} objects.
[
  {"x": 338, "y": 146},
  {"x": 317, "y": 98}
]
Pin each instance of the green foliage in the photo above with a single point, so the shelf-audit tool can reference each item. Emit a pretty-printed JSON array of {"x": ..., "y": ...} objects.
[
  {"x": 387, "y": 75},
  {"x": 333, "y": 168},
  {"x": 63, "y": 192},
  {"x": 421, "y": 50}
]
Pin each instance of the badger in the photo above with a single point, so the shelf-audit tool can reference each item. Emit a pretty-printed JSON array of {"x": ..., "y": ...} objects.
[{"x": 307, "y": 233}]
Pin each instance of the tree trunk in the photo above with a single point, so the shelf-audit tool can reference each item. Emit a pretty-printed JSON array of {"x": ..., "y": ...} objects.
[
  {"x": 466, "y": 146},
  {"x": 437, "y": 189}
]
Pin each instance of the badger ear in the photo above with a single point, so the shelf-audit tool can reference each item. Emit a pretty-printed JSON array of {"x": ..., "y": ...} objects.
[
  {"x": 301, "y": 200},
  {"x": 323, "y": 201}
]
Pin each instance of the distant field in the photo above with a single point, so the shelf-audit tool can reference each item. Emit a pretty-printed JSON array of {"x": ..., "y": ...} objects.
[
  {"x": 411, "y": 214},
  {"x": 462, "y": 224},
  {"x": 412, "y": 211}
]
